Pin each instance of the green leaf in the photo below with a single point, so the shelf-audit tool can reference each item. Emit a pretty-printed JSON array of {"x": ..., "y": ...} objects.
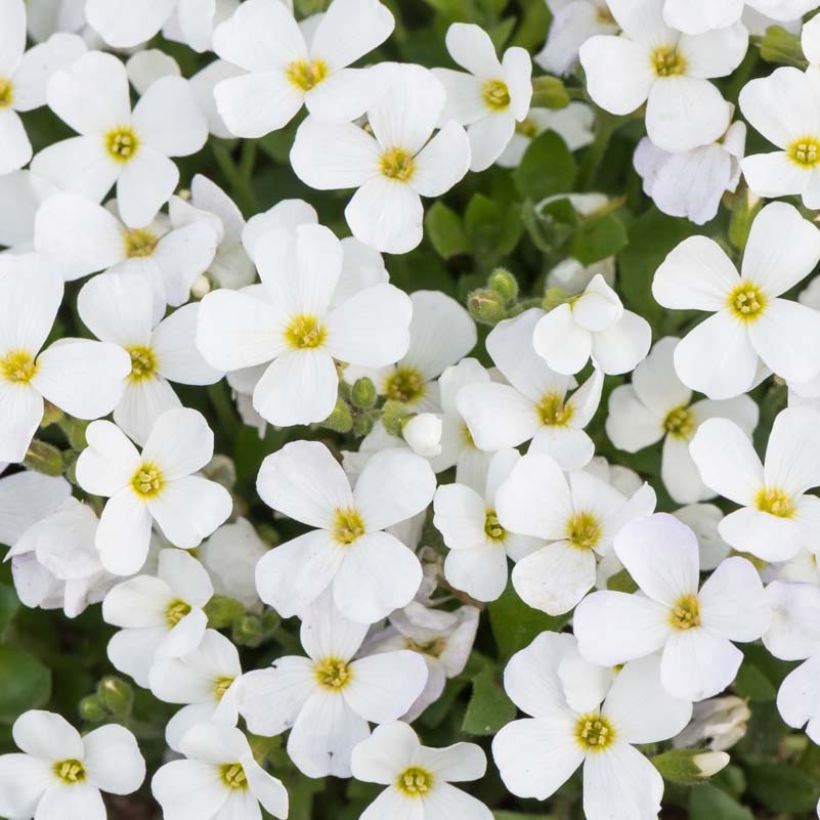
[
  {"x": 24, "y": 682},
  {"x": 547, "y": 168},
  {"x": 514, "y": 624},
  {"x": 444, "y": 229},
  {"x": 8, "y": 607},
  {"x": 492, "y": 232},
  {"x": 489, "y": 707},
  {"x": 783, "y": 788},
  {"x": 514, "y": 815},
  {"x": 707, "y": 802},
  {"x": 753, "y": 684},
  {"x": 598, "y": 238}
]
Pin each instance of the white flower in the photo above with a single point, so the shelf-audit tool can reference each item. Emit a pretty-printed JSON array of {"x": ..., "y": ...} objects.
[
  {"x": 466, "y": 517},
  {"x": 418, "y": 777},
  {"x": 155, "y": 485},
  {"x": 694, "y": 628},
  {"x": 328, "y": 698},
  {"x": 286, "y": 68},
  {"x": 26, "y": 498},
  {"x": 60, "y": 774},
  {"x": 719, "y": 722},
  {"x": 423, "y": 433},
  {"x": 704, "y": 520},
  {"x": 206, "y": 680},
  {"x": 750, "y": 322},
  {"x": 778, "y": 516},
  {"x": 82, "y": 377},
  {"x": 370, "y": 571},
  {"x": 491, "y": 97},
  {"x": 658, "y": 406},
  {"x": 392, "y": 168},
  {"x": 577, "y": 513},
  {"x": 21, "y": 194},
  {"x": 691, "y": 184},
  {"x": 293, "y": 320},
  {"x": 47, "y": 17},
  {"x": 654, "y": 64},
  {"x": 534, "y": 405},
  {"x": 218, "y": 778},
  {"x": 116, "y": 145},
  {"x": 699, "y": 16},
  {"x": 159, "y": 617},
  {"x": 570, "y": 727},
  {"x": 23, "y": 78}
]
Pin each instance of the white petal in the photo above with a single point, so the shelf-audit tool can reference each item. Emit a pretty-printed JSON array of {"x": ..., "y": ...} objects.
[
  {"x": 794, "y": 630},
  {"x": 115, "y": 308},
  {"x": 383, "y": 686},
  {"x": 253, "y": 105},
  {"x": 798, "y": 697},
  {"x": 22, "y": 410},
  {"x": 173, "y": 344},
  {"x": 698, "y": 663},
  {"x": 145, "y": 185},
  {"x": 387, "y": 752},
  {"x": 122, "y": 25},
  {"x": 497, "y": 415},
  {"x": 479, "y": 571},
  {"x": 190, "y": 509},
  {"x": 785, "y": 336},
  {"x": 23, "y": 780},
  {"x": 71, "y": 802},
  {"x": 79, "y": 164},
  {"x": 349, "y": 30},
  {"x": 732, "y": 602},
  {"x": 564, "y": 345},
  {"x": 138, "y": 603},
  {"x": 443, "y": 161},
  {"x": 109, "y": 461},
  {"x": 47, "y": 735},
  {"x": 14, "y": 142},
  {"x": 168, "y": 119},
  {"x": 180, "y": 443},
  {"x": 270, "y": 699},
  {"x": 630, "y": 424},
  {"x": 386, "y": 215},
  {"x": 123, "y": 534},
  {"x": 266, "y": 788},
  {"x": 187, "y": 789},
  {"x": 605, "y": 57},
  {"x": 620, "y": 347},
  {"x": 113, "y": 760}
]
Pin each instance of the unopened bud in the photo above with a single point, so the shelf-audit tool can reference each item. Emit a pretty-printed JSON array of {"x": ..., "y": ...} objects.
[
  {"x": 503, "y": 283},
  {"x": 487, "y": 306},
  {"x": 51, "y": 414},
  {"x": 549, "y": 92},
  {"x": 394, "y": 414},
  {"x": 201, "y": 287},
  {"x": 782, "y": 48},
  {"x": 92, "y": 710},
  {"x": 116, "y": 695},
  {"x": 222, "y": 611},
  {"x": 248, "y": 631},
  {"x": 75, "y": 431},
  {"x": 362, "y": 425},
  {"x": 44, "y": 458},
  {"x": 341, "y": 419},
  {"x": 423, "y": 434},
  {"x": 710, "y": 763},
  {"x": 689, "y": 766},
  {"x": 363, "y": 394}
]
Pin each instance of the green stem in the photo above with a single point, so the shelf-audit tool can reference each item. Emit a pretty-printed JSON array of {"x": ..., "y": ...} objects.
[
  {"x": 607, "y": 125},
  {"x": 238, "y": 177}
]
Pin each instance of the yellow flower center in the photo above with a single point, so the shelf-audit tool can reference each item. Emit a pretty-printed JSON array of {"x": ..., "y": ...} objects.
[
  {"x": 348, "y": 525},
  {"x": 332, "y": 674},
  {"x": 397, "y": 164},
  {"x": 594, "y": 733},
  {"x": 583, "y": 531},
  {"x": 496, "y": 95},
  {"x": 70, "y": 771},
  {"x": 306, "y": 74},
  {"x": 233, "y": 776},
  {"x": 746, "y": 301},
  {"x": 18, "y": 367},
  {"x": 122, "y": 143},
  {"x": 140, "y": 242},
  {"x": 667, "y": 61},
  {"x": 492, "y": 527},
  {"x": 176, "y": 611},
  {"x": 805, "y": 152},
  {"x": 553, "y": 412},
  {"x": 680, "y": 423},
  {"x": 415, "y": 782},
  {"x": 148, "y": 481},
  {"x": 776, "y": 502},
  {"x": 143, "y": 363},
  {"x": 686, "y": 612},
  {"x": 305, "y": 332},
  {"x": 6, "y": 93},
  {"x": 221, "y": 685},
  {"x": 405, "y": 384}
]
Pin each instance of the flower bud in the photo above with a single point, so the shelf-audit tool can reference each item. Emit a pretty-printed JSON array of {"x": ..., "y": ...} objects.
[
  {"x": 248, "y": 631},
  {"x": 549, "y": 92},
  {"x": 363, "y": 393},
  {"x": 116, "y": 696},
  {"x": 689, "y": 766},
  {"x": 51, "y": 414},
  {"x": 719, "y": 722},
  {"x": 782, "y": 47},
  {"x": 201, "y": 287},
  {"x": 92, "y": 710},
  {"x": 710, "y": 763},
  {"x": 341, "y": 419},
  {"x": 362, "y": 425},
  {"x": 44, "y": 458},
  {"x": 423, "y": 434},
  {"x": 503, "y": 283},
  {"x": 394, "y": 414},
  {"x": 222, "y": 611},
  {"x": 487, "y": 306}
]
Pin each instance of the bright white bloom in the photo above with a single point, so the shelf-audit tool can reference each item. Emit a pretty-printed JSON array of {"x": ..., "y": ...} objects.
[
  {"x": 159, "y": 617},
  {"x": 328, "y": 698},
  {"x": 699, "y": 16},
  {"x": 704, "y": 520},
  {"x": 418, "y": 777},
  {"x": 571, "y": 727},
  {"x": 778, "y": 515},
  {"x": 657, "y": 405},
  {"x": 156, "y": 485},
  {"x": 294, "y": 320},
  {"x": 578, "y": 514},
  {"x": 205, "y": 680},
  {"x": 287, "y": 69},
  {"x": 694, "y": 628},
  {"x": 147, "y": 66},
  {"x": 60, "y": 774},
  {"x": 82, "y": 377},
  {"x": 654, "y": 64},
  {"x": 491, "y": 97},
  {"x": 47, "y": 17},
  {"x": 26, "y": 498},
  {"x": 23, "y": 78},
  {"x": 534, "y": 405},
  {"x": 750, "y": 322},
  {"x": 479, "y": 545},
  {"x": 370, "y": 571},
  {"x": 117, "y": 146},
  {"x": 810, "y": 40},
  {"x": 218, "y": 779},
  {"x": 691, "y": 184},
  {"x": 21, "y": 194},
  {"x": 423, "y": 433},
  {"x": 392, "y": 168}
]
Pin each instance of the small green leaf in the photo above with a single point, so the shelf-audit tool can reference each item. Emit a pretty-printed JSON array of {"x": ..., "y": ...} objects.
[
  {"x": 707, "y": 802},
  {"x": 547, "y": 168},
  {"x": 753, "y": 684},
  {"x": 24, "y": 682},
  {"x": 783, "y": 788},
  {"x": 514, "y": 624},
  {"x": 489, "y": 707},
  {"x": 443, "y": 227},
  {"x": 8, "y": 607},
  {"x": 598, "y": 238}
]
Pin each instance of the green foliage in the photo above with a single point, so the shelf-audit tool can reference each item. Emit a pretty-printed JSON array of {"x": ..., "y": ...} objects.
[
  {"x": 25, "y": 682},
  {"x": 489, "y": 708},
  {"x": 514, "y": 625}
]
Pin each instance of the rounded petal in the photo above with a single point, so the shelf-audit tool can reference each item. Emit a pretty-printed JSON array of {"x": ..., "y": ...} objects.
[
  {"x": 563, "y": 344},
  {"x": 190, "y": 509},
  {"x": 444, "y": 160},
  {"x": 384, "y": 686},
  {"x": 732, "y": 602},
  {"x": 122, "y": 25},
  {"x": 387, "y": 752},
  {"x": 145, "y": 184},
  {"x": 698, "y": 663},
  {"x": 14, "y": 142},
  {"x": 271, "y": 699},
  {"x": 181, "y": 442},
  {"x": 618, "y": 72},
  {"x": 113, "y": 760},
  {"x": 123, "y": 534},
  {"x": 253, "y": 105},
  {"x": 386, "y": 215},
  {"x": 786, "y": 336},
  {"x": 47, "y": 735},
  {"x": 349, "y": 30},
  {"x": 22, "y": 411}
]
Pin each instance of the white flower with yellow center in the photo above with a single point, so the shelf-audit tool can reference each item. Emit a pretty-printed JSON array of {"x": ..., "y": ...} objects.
[
  {"x": 491, "y": 97},
  {"x": 156, "y": 485},
  {"x": 699, "y": 16},
  {"x": 654, "y": 64},
  {"x": 750, "y": 322},
  {"x": 23, "y": 78},
  {"x": 82, "y": 377},
  {"x": 694, "y": 628},
  {"x": 479, "y": 545},
  {"x": 219, "y": 778},
  {"x": 534, "y": 405},
  {"x": 778, "y": 515},
  {"x": 116, "y": 145},
  {"x": 159, "y": 617},
  {"x": 578, "y": 515},
  {"x": 571, "y": 727},
  {"x": 369, "y": 571},
  {"x": 118, "y": 309},
  {"x": 296, "y": 322},
  {"x": 59, "y": 773},
  {"x": 658, "y": 406},
  {"x": 785, "y": 108},
  {"x": 393, "y": 162},
  {"x": 286, "y": 68},
  {"x": 328, "y": 698},
  {"x": 418, "y": 777}
]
